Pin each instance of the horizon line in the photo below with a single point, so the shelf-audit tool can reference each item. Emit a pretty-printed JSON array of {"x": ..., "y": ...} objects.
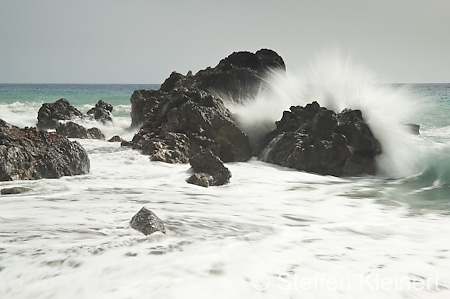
[{"x": 53, "y": 83}]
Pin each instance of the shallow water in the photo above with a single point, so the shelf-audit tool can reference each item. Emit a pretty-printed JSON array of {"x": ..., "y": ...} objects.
[{"x": 265, "y": 235}]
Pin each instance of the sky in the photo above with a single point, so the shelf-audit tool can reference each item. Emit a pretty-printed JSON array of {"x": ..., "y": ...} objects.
[{"x": 143, "y": 41}]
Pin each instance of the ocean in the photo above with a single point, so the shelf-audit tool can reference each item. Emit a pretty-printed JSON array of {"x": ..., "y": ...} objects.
[{"x": 272, "y": 232}]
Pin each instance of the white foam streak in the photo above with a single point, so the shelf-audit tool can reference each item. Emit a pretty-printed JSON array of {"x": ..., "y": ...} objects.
[
  {"x": 69, "y": 238},
  {"x": 20, "y": 114},
  {"x": 119, "y": 126}
]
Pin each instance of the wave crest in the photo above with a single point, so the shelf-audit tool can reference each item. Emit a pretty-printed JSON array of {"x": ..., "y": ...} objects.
[{"x": 337, "y": 82}]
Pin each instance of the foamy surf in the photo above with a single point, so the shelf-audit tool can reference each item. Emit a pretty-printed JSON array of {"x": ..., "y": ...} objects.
[
  {"x": 337, "y": 82},
  {"x": 271, "y": 233}
]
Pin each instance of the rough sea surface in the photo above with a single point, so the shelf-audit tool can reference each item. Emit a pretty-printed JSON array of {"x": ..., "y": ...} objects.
[{"x": 271, "y": 233}]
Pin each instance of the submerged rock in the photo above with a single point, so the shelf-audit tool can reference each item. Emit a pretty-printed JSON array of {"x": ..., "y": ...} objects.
[
  {"x": 50, "y": 114},
  {"x": 146, "y": 222},
  {"x": 101, "y": 112},
  {"x": 73, "y": 130},
  {"x": 28, "y": 154},
  {"x": 200, "y": 179},
  {"x": 209, "y": 170},
  {"x": 315, "y": 139},
  {"x": 14, "y": 190},
  {"x": 116, "y": 138},
  {"x": 413, "y": 128}
]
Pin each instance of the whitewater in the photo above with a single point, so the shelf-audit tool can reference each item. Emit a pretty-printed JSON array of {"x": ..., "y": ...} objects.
[{"x": 272, "y": 232}]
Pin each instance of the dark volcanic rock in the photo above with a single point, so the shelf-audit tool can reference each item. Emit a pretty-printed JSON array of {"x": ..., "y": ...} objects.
[
  {"x": 50, "y": 114},
  {"x": 183, "y": 121},
  {"x": 27, "y": 154},
  {"x": 101, "y": 112},
  {"x": 315, "y": 139},
  {"x": 146, "y": 222},
  {"x": 239, "y": 75},
  {"x": 209, "y": 170},
  {"x": 184, "y": 117},
  {"x": 95, "y": 133},
  {"x": 73, "y": 130},
  {"x": 116, "y": 138},
  {"x": 168, "y": 147},
  {"x": 200, "y": 179},
  {"x": 14, "y": 190},
  {"x": 236, "y": 76}
]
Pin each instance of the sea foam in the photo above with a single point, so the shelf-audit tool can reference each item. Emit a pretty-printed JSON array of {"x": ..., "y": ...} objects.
[{"x": 337, "y": 82}]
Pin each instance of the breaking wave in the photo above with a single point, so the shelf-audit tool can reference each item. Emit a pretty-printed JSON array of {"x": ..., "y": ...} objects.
[{"x": 337, "y": 82}]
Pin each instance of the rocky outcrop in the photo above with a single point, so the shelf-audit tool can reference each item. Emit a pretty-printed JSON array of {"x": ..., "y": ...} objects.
[
  {"x": 237, "y": 76},
  {"x": 184, "y": 117},
  {"x": 146, "y": 222},
  {"x": 73, "y": 130},
  {"x": 315, "y": 139},
  {"x": 50, "y": 114},
  {"x": 209, "y": 170},
  {"x": 28, "y": 154},
  {"x": 55, "y": 115},
  {"x": 101, "y": 112},
  {"x": 185, "y": 120}
]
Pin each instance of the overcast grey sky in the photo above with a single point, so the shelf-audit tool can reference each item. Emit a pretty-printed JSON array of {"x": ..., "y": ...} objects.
[{"x": 143, "y": 41}]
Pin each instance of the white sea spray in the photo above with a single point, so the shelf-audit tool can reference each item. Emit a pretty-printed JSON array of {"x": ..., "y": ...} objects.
[{"x": 337, "y": 82}]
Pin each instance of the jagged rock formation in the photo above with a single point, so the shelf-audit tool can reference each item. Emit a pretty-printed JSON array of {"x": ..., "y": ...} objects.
[
  {"x": 315, "y": 139},
  {"x": 185, "y": 120},
  {"x": 183, "y": 116},
  {"x": 55, "y": 115},
  {"x": 209, "y": 170},
  {"x": 101, "y": 112},
  {"x": 50, "y": 114},
  {"x": 237, "y": 76},
  {"x": 28, "y": 154},
  {"x": 146, "y": 222}
]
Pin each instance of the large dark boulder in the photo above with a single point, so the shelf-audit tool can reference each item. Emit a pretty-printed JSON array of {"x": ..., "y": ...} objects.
[
  {"x": 185, "y": 120},
  {"x": 315, "y": 139},
  {"x": 50, "y": 114},
  {"x": 101, "y": 112},
  {"x": 238, "y": 76},
  {"x": 28, "y": 154},
  {"x": 146, "y": 222},
  {"x": 73, "y": 130},
  {"x": 185, "y": 115},
  {"x": 209, "y": 170}
]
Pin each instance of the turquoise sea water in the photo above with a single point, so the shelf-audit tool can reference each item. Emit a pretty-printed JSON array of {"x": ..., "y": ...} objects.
[{"x": 78, "y": 95}]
